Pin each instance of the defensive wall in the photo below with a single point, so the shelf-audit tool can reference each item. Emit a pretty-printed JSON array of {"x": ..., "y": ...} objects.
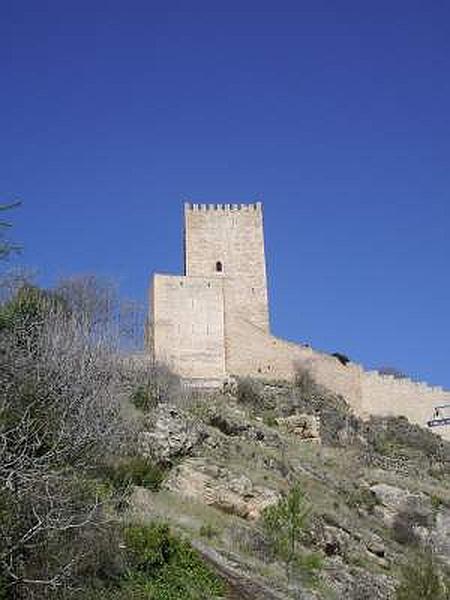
[
  {"x": 213, "y": 321},
  {"x": 367, "y": 392},
  {"x": 188, "y": 325}
]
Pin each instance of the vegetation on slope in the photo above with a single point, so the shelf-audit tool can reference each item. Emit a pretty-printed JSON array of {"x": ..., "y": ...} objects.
[{"x": 68, "y": 463}]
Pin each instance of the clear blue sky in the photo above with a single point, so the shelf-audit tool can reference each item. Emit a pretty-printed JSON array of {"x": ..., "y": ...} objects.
[{"x": 335, "y": 114}]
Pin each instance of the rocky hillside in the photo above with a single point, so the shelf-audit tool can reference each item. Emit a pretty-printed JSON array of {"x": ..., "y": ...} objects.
[{"x": 376, "y": 494}]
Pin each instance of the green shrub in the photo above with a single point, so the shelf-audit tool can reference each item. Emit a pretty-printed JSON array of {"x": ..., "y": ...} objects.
[
  {"x": 304, "y": 382},
  {"x": 404, "y": 527},
  {"x": 436, "y": 501},
  {"x": 422, "y": 579},
  {"x": 134, "y": 470},
  {"x": 3, "y": 589},
  {"x": 361, "y": 497},
  {"x": 143, "y": 398},
  {"x": 269, "y": 419},
  {"x": 166, "y": 566},
  {"x": 309, "y": 565},
  {"x": 160, "y": 386},
  {"x": 248, "y": 392},
  {"x": 209, "y": 531},
  {"x": 157, "y": 565}
]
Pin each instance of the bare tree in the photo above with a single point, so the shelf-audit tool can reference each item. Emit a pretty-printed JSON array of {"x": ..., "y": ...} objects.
[
  {"x": 60, "y": 392},
  {"x": 97, "y": 305},
  {"x": 6, "y": 246}
]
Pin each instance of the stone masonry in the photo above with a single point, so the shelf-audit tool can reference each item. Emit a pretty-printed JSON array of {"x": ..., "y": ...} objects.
[{"x": 213, "y": 321}]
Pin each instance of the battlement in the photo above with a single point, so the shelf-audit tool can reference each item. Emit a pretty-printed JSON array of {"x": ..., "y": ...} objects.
[{"x": 224, "y": 208}]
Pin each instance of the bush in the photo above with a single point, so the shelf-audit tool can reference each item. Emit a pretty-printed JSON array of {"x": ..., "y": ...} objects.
[
  {"x": 422, "y": 579},
  {"x": 249, "y": 393},
  {"x": 160, "y": 385},
  {"x": 143, "y": 399},
  {"x": 309, "y": 564},
  {"x": 166, "y": 566},
  {"x": 269, "y": 418},
  {"x": 361, "y": 497},
  {"x": 304, "y": 382},
  {"x": 59, "y": 417},
  {"x": 342, "y": 358},
  {"x": 391, "y": 435},
  {"x": 134, "y": 470},
  {"x": 209, "y": 531},
  {"x": 404, "y": 527},
  {"x": 152, "y": 563}
]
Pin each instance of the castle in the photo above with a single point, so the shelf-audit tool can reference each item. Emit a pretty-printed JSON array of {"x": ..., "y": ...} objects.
[{"x": 213, "y": 321}]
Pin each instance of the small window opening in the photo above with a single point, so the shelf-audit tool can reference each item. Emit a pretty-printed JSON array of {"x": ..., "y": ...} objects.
[{"x": 219, "y": 266}]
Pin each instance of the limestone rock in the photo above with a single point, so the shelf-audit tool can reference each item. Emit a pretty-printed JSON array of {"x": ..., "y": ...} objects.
[
  {"x": 356, "y": 583},
  {"x": 376, "y": 546},
  {"x": 306, "y": 427},
  {"x": 237, "y": 426},
  {"x": 395, "y": 501},
  {"x": 200, "y": 480},
  {"x": 391, "y": 497},
  {"x": 336, "y": 541},
  {"x": 169, "y": 434}
]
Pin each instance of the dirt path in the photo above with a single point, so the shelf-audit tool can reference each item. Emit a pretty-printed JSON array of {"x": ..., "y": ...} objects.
[{"x": 241, "y": 587}]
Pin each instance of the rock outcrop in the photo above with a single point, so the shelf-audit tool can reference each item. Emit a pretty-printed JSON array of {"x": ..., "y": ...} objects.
[
  {"x": 169, "y": 434},
  {"x": 217, "y": 486},
  {"x": 305, "y": 427}
]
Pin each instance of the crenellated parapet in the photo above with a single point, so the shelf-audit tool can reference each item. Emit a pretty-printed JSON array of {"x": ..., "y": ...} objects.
[
  {"x": 222, "y": 208},
  {"x": 403, "y": 382}
]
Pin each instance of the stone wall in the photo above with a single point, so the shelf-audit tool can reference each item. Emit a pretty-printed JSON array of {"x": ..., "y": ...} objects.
[
  {"x": 187, "y": 325},
  {"x": 387, "y": 396},
  {"x": 255, "y": 353}
]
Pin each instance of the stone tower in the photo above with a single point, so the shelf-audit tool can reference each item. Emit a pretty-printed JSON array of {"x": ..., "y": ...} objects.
[
  {"x": 195, "y": 317},
  {"x": 227, "y": 241}
]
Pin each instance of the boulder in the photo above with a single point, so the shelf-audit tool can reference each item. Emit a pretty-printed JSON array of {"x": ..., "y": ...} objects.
[
  {"x": 200, "y": 480},
  {"x": 376, "y": 546},
  {"x": 169, "y": 434},
  {"x": 409, "y": 515},
  {"x": 391, "y": 497},
  {"x": 237, "y": 426},
  {"x": 306, "y": 427},
  {"x": 354, "y": 583}
]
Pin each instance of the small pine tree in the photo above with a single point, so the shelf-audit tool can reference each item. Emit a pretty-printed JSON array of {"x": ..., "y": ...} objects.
[{"x": 284, "y": 523}]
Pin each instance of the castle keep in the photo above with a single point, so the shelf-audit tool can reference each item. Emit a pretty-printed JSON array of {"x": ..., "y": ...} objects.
[
  {"x": 195, "y": 317},
  {"x": 213, "y": 321}
]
